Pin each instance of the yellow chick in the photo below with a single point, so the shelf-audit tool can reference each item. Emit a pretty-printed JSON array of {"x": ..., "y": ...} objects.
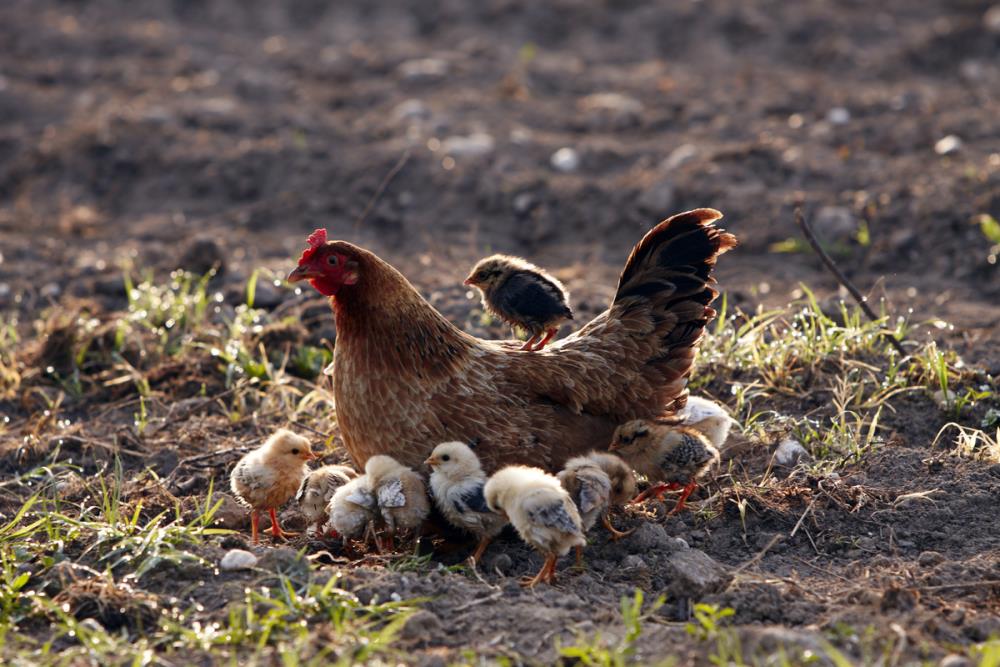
[
  {"x": 352, "y": 509},
  {"x": 708, "y": 417},
  {"x": 318, "y": 488},
  {"x": 674, "y": 456},
  {"x": 457, "y": 481},
  {"x": 400, "y": 493},
  {"x": 540, "y": 510},
  {"x": 597, "y": 482},
  {"x": 268, "y": 477}
]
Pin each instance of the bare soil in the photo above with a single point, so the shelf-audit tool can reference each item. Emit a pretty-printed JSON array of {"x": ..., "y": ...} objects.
[{"x": 174, "y": 133}]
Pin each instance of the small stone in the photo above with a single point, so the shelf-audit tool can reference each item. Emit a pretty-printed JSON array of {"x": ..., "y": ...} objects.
[
  {"x": 284, "y": 560},
  {"x": 50, "y": 290},
  {"x": 659, "y": 198},
  {"x": 634, "y": 562},
  {"x": 991, "y": 19},
  {"x": 948, "y": 145},
  {"x": 930, "y": 559},
  {"x": 648, "y": 537},
  {"x": 423, "y": 69},
  {"x": 501, "y": 563},
  {"x": 955, "y": 660},
  {"x": 230, "y": 514},
  {"x": 423, "y": 625},
  {"x": 473, "y": 145},
  {"x": 565, "y": 160},
  {"x": 680, "y": 155},
  {"x": 945, "y": 398},
  {"x": 524, "y": 202},
  {"x": 411, "y": 110},
  {"x": 836, "y": 222},
  {"x": 790, "y": 452},
  {"x": 693, "y": 574},
  {"x": 838, "y": 116},
  {"x": 237, "y": 559},
  {"x": 201, "y": 256},
  {"x": 611, "y": 110}
]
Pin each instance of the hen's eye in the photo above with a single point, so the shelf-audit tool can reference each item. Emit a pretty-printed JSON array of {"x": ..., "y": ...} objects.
[
  {"x": 332, "y": 260},
  {"x": 445, "y": 458},
  {"x": 295, "y": 451}
]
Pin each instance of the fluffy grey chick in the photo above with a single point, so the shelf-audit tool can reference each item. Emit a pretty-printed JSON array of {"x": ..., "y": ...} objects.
[
  {"x": 318, "y": 488},
  {"x": 400, "y": 492},
  {"x": 523, "y": 295}
]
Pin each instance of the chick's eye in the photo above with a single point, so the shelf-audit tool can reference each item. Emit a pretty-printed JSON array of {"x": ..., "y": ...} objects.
[
  {"x": 332, "y": 260},
  {"x": 445, "y": 458},
  {"x": 295, "y": 451}
]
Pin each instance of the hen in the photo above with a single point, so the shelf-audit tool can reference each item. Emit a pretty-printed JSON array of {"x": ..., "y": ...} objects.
[{"x": 406, "y": 379}]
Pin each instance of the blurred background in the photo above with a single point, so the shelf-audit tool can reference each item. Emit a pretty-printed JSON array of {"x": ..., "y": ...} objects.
[{"x": 172, "y": 133}]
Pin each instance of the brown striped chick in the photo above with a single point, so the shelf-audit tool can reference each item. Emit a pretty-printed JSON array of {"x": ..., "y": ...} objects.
[
  {"x": 457, "y": 481},
  {"x": 672, "y": 456},
  {"x": 596, "y": 482},
  {"x": 400, "y": 493},
  {"x": 353, "y": 510},
  {"x": 522, "y": 295},
  {"x": 540, "y": 510},
  {"x": 318, "y": 488},
  {"x": 708, "y": 417},
  {"x": 268, "y": 477}
]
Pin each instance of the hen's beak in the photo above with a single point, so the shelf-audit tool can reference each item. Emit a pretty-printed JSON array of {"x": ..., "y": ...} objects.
[{"x": 302, "y": 272}]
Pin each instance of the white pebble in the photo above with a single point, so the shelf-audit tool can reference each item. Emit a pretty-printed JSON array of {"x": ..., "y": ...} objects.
[
  {"x": 478, "y": 143},
  {"x": 565, "y": 160},
  {"x": 237, "y": 559},
  {"x": 789, "y": 452},
  {"x": 948, "y": 145},
  {"x": 838, "y": 116}
]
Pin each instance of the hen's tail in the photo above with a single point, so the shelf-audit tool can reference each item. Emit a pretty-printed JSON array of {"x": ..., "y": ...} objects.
[{"x": 668, "y": 277}]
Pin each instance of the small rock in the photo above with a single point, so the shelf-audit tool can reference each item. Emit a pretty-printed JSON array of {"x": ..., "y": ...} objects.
[
  {"x": 524, "y": 202},
  {"x": 790, "y": 452},
  {"x": 284, "y": 560},
  {"x": 410, "y": 110},
  {"x": 230, "y": 515},
  {"x": 423, "y": 69},
  {"x": 836, "y": 222},
  {"x": 473, "y": 145},
  {"x": 838, "y": 116},
  {"x": 945, "y": 398},
  {"x": 991, "y": 19},
  {"x": 680, "y": 155},
  {"x": 897, "y": 598},
  {"x": 955, "y": 660},
  {"x": 50, "y": 290},
  {"x": 423, "y": 625},
  {"x": 611, "y": 110},
  {"x": 648, "y": 537},
  {"x": 201, "y": 256},
  {"x": 930, "y": 558},
  {"x": 501, "y": 563},
  {"x": 659, "y": 198},
  {"x": 237, "y": 559},
  {"x": 565, "y": 160},
  {"x": 693, "y": 574},
  {"x": 634, "y": 562},
  {"x": 948, "y": 145}
]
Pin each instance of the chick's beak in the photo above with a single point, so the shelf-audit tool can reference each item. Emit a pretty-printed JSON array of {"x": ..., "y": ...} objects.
[
  {"x": 303, "y": 272},
  {"x": 613, "y": 446},
  {"x": 431, "y": 461},
  {"x": 469, "y": 281},
  {"x": 308, "y": 455}
]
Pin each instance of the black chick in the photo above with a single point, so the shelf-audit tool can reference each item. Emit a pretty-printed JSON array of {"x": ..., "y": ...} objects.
[{"x": 523, "y": 295}]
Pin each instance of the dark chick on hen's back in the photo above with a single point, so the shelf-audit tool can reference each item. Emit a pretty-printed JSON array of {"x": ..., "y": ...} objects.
[{"x": 522, "y": 295}]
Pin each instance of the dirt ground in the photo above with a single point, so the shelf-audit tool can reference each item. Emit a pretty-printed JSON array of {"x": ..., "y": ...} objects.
[{"x": 173, "y": 133}]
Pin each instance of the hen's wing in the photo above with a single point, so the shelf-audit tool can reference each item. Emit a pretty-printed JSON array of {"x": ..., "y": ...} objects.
[{"x": 633, "y": 360}]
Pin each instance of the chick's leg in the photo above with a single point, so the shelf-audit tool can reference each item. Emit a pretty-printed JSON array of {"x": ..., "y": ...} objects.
[
  {"x": 543, "y": 574},
  {"x": 615, "y": 533},
  {"x": 529, "y": 344},
  {"x": 255, "y": 526},
  {"x": 477, "y": 555},
  {"x": 276, "y": 528},
  {"x": 684, "y": 496},
  {"x": 545, "y": 341},
  {"x": 579, "y": 557}
]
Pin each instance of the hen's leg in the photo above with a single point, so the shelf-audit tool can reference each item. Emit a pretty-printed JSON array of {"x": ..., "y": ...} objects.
[
  {"x": 255, "y": 526},
  {"x": 545, "y": 341},
  {"x": 615, "y": 533},
  {"x": 529, "y": 344},
  {"x": 684, "y": 496}
]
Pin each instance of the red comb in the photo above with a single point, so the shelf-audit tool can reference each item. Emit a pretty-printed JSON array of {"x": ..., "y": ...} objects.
[{"x": 316, "y": 240}]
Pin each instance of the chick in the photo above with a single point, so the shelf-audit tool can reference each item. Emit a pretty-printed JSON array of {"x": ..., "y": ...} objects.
[
  {"x": 401, "y": 494},
  {"x": 317, "y": 488},
  {"x": 596, "y": 482},
  {"x": 457, "y": 483},
  {"x": 708, "y": 417},
  {"x": 674, "y": 456},
  {"x": 353, "y": 509},
  {"x": 268, "y": 476},
  {"x": 522, "y": 295},
  {"x": 540, "y": 510}
]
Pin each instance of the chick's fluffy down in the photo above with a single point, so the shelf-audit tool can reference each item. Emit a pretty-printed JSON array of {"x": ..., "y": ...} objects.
[
  {"x": 538, "y": 507},
  {"x": 352, "y": 507},
  {"x": 318, "y": 488},
  {"x": 266, "y": 478}
]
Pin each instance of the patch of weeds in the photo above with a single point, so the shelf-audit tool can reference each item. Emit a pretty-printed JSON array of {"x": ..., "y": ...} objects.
[
  {"x": 600, "y": 653},
  {"x": 10, "y": 377},
  {"x": 972, "y": 443}
]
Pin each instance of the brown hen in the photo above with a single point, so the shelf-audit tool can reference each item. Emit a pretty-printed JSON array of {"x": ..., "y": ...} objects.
[{"x": 406, "y": 379}]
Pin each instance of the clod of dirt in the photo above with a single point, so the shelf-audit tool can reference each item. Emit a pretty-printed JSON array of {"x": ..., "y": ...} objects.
[
  {"x": 611, "y": 111},
  {"x": 501, "y": 563},
  {"x": 286, "y": 561},
  {"x": 651, "y": 537},
  {"x": 113, "y": 605},
  {"x": 237, "y": 559},
  {"x": 634, "y": 562},
  {"x": 281, "y": 335},
  {"x": 230, "y": 515},
  {"x": 898, "y": 598},
  {"x": 789, "y": 453},
  {"x": 930, "y": 558},
  {"x": 659, "y": 198},
  {"x": 694, "y": 574},
  {"x": 201, "y": 256},
  {"x": 422, "y": 625}
]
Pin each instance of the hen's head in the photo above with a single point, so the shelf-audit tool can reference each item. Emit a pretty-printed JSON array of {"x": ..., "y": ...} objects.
[{"x": 328, "y": 266}]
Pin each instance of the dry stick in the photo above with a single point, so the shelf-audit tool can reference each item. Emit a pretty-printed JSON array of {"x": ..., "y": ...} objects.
[
  {"x": 380, "y": 190},
  {"x": 842, "y": 279},
  {"x": 310, "y": 429},
  {"x": 759, "y": 555}
]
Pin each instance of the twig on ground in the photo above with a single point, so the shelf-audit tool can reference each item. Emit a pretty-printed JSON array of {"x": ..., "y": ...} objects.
[
  {"x": 843, "y": 279},
  {"x": 380, "y": 190},
  {"x": 802, "y": 518},
  {"x": 964, "y": 584},
  {"x": 759, "y": 555},
  {"x": 478, "y": 601}
]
